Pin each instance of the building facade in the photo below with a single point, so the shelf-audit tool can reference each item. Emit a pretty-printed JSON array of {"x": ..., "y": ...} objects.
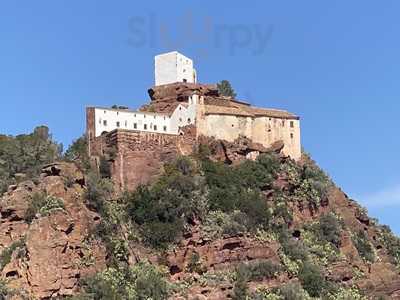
[
  {"x": 173, "y": 67},
  {"x": 180, "y": 114}
]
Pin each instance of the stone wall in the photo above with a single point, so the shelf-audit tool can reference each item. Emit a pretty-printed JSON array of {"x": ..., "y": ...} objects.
[{"x": 138, "y": 157}]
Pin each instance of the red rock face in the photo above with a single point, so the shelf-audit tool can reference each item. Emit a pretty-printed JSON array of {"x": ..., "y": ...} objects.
[
  {"x": 165, "y": 98},
  {"x": 139, "y": 156},
  {"x": 52, "y": 263}
]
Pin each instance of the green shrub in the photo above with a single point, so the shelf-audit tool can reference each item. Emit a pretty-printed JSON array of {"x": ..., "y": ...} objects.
[
  {"x": 195, "y": 264},
  {"x": 183, "y": 165},
  {"x": 142, "y": 282},
  {"x": 308, "y": 183},
  {"x": 281, "y": 214},
  {"x": 294, "y": 249},
  {"x": 329, "y": 229},
  {"x": 312, "y": 280},
  {"x": 391, "y": 243},
  {"x": 364, "y": 247},
  {"x": 78, "y": 153},
  {"x": 293, "y": 291},
  {"x": 218, "y": 223},
  {"x": 238, "y": 188},
  {"x": 6, "y": 254},
  {"x": 43, "y": 205},
  {"x": 98, "y": 192},
  {"x": 163, "y": 209},
  {"x": 26, "y": 154},
  {"x": 4, "y": 290},
  {"x": 240, "y": 287},
  {"x": 262, "y": 269},
  {"x": 256, "y": 209},
  {"x": 104, "y": 167}
]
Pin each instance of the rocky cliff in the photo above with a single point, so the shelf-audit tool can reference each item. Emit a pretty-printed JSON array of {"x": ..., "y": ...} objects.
[{"x": 211, "y": 226}]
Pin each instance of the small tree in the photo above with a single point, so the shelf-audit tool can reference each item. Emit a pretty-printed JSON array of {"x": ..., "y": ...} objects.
[
  {"x": 225, "y": 89},
  {"x": 312, "y": 279},
  {"x": 240, "y": 289}
]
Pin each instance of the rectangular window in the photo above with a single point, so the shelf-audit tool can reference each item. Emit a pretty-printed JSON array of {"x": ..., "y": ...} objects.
[
  {"x": 145, "y": 126},
  {"x": 105, "y": 122},
  {"x": 118, "y": 124},
  {"x": 291, "y": 124},
  {"x": 126, "y": 123},
  {"x": 291, "y": 135},
  {"x": 283, "y": 123},
  {"x": 155, "y": 127},
  {"x": 134, "y": 125},
  {"x": 165, "y": 128}
]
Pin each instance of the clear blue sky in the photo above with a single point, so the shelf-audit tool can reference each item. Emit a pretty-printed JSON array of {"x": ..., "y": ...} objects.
[{"x": 335, "y": 63}]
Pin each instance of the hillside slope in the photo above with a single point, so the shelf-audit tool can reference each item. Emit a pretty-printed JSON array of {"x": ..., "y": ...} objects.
[{"x": 265, "y": 229}]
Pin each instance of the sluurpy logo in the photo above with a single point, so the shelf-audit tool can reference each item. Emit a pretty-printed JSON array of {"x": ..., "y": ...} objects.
[{"x": 201, "y": 33}]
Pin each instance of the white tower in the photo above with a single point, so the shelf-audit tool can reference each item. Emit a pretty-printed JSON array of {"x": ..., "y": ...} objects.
[{"x": 174, "y": 67}]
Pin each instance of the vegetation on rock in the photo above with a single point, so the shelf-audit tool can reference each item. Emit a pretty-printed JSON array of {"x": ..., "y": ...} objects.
[
  {"x": 22, "y": 157},
  {"x": 272, "y": 204}
]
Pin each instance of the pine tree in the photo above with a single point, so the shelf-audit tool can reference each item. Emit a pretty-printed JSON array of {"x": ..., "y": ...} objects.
[{"x": 225, "y": 89}]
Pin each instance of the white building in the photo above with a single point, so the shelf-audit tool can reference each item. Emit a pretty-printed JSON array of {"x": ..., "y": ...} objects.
[
  {"x": 173, "y": 67},
  {"x": 109, "y": 119}
]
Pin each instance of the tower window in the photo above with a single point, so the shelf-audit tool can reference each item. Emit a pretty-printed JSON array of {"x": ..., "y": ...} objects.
[{"x": 291, "y": 124}]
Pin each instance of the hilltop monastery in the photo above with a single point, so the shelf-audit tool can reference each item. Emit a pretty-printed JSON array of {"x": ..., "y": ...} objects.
[{"x": 182, "y": 111}]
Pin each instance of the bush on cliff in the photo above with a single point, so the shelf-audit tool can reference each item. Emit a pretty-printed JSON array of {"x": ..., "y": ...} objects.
[
  {"x": 239, "y": 187},
  {"x": 163, "y": 209},
  {"x": 98, "y": 192},
  {"x": 308, "y": 184},
  {"x": 329, "y": 229},
  {"x": 240, "y": 287},
  {"x": 363, "y": 245},
  {"x": 5, "y": 256},
  {"x": 391, "y": 243},
  {"x": 26, "y": 154},
  {"x": 77, "y": 152},
  {"x": 142, "y": 281},
  {"x": 312, "y": 279},
  {"x": 43, "y": 205}
]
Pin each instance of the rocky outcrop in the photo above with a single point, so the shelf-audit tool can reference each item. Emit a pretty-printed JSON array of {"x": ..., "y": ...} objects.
[
  {"x": 218, "y": 255},
  {"x": 238, "y": 150},
  {"x": 55, "y": 254},
  {"x": 165, "y": 98}
]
